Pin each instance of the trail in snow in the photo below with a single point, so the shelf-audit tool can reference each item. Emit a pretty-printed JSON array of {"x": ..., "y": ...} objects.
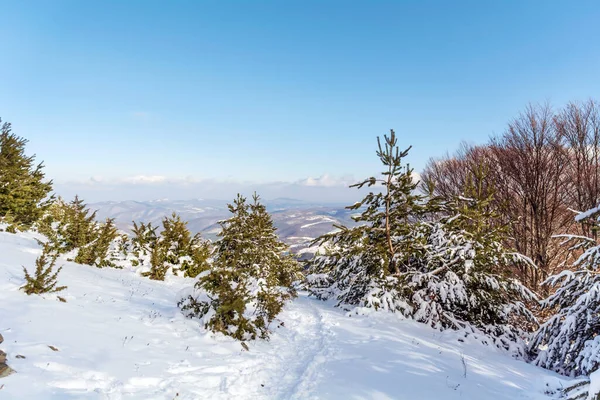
[
  {"x": 304, "y": 343},
  {"x": 121, "y": 336}
]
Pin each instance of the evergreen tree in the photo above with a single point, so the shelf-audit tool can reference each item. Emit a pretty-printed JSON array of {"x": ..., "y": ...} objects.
[
  {"x": 460, "y": 275},
  {"x": 79, "y": 227},
  {"x": 51, "y": 224},
  {"x": 175, "y": 249},
  {"x": 23, "y": 191},
  {"x": 44, "y": 280},
  {"x": 250, "y": 278},
  {"x": 143, "y": 241},
  {"x": 361, "y": 265},
  {"x": 188, "y": 252},
  {"x": 270, "y": 255},
  {"x": 72, "y": 228},
  {"x": 158, "y": 264},
  {"x": 438, "y": 261},
  {"x": 568, "y": 342},
  {"x": 68, "y": 226},
  {"x": 103, "y": 250}
]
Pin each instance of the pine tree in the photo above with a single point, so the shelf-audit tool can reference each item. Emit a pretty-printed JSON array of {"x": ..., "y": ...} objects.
[
  {"x": 270, "y": 255},
  {"x": 250, "y": 278},
  {"x": 69, "y": 226},
  {"x": 51, "y": 224},
  {"x": 103, "y": 250},
  {"x": 460, "y": 275},
  {"x": 273, "y": 268},
  {"x": 44, "y": 280},
  {"x": 72, "y": 228},
  {"x": 23, "y": 191},
  {"x": 196, "y": 261},
  {"x": 568, "y": 342},
  {"x": 438, "y": 261},
  {"x": 361, "y": 265},
  {"x": 188, "y": 253},
  {"x": 79, "y": 227},
  {"x": 143, "y": 241},
  {"x": 175, "y": 249},
  {"x": 158, "y": 264}
]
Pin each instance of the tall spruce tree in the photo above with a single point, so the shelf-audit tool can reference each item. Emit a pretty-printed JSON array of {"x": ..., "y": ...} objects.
[
  {"x": 250, "y": 278},
  {"x": 23, "y": 189},
  {"x": 362, "y": 264}
]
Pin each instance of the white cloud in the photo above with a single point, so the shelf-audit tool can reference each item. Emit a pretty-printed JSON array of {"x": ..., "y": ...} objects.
[
  {"x": 145, "y": 179},
  {"x": 327, "y": 180},
  {"x": 325, "y": 188},
  {"x": 133, "y": 180}
]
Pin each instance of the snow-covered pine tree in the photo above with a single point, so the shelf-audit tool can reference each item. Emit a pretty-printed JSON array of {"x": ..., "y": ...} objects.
[
  {"x": 568, "y": 342},
  {"x": 68, "y": 226},
  {"x": 175, "y": 249},
  {"x": 361, "y": 266},
  {"x": 441, "y": 262},
  {"x": 460, "y": 277},
  {"x": 143, "y": 241},
  {"x": 275, "y": 268},
  {"x": 72, "y": 229},
  {"x": 23, "y": 189},
  {"x": 188, "y": 252},
  {"x": 50, "y": 224},
  {"x": 250, "y": 278}
]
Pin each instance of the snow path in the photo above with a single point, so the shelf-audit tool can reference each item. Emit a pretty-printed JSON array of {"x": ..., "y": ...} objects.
[
  {"x": 121, "y": 336},
  {"x": 307, "y": 346}
]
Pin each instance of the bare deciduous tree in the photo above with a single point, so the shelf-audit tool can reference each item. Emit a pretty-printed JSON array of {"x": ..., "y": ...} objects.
[
  {"x": 534, "y": 163},
  {"x": 579, "y": 128},
  {"x": 541, "y": 167}
]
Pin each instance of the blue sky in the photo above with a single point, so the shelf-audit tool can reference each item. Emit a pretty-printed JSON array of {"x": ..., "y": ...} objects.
[{"x": 120, "y": 96}]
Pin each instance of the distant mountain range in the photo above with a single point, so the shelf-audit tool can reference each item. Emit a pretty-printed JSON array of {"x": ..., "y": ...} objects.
[{"x": 297, "y": 222}]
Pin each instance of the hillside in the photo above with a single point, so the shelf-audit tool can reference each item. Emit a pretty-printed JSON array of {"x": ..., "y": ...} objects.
[{"x": 121, "y": 336}]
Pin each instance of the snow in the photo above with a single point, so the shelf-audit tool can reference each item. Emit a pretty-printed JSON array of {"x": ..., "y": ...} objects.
[
  {"x": 319, "y": 220},
  {"x": 586, "y": 214},
  {"x": 594, "y": 388},
  {"x": 121, "y": 336}
]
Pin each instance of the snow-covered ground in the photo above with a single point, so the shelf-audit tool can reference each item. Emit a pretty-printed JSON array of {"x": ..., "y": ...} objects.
[{"x": 121, "y": 336}]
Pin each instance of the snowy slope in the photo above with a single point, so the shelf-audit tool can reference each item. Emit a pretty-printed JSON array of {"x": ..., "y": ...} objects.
[{"x": 121, "y": 336}]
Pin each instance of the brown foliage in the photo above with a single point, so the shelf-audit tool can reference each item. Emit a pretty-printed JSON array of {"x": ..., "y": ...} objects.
[{"x": 542, "y": 168}]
